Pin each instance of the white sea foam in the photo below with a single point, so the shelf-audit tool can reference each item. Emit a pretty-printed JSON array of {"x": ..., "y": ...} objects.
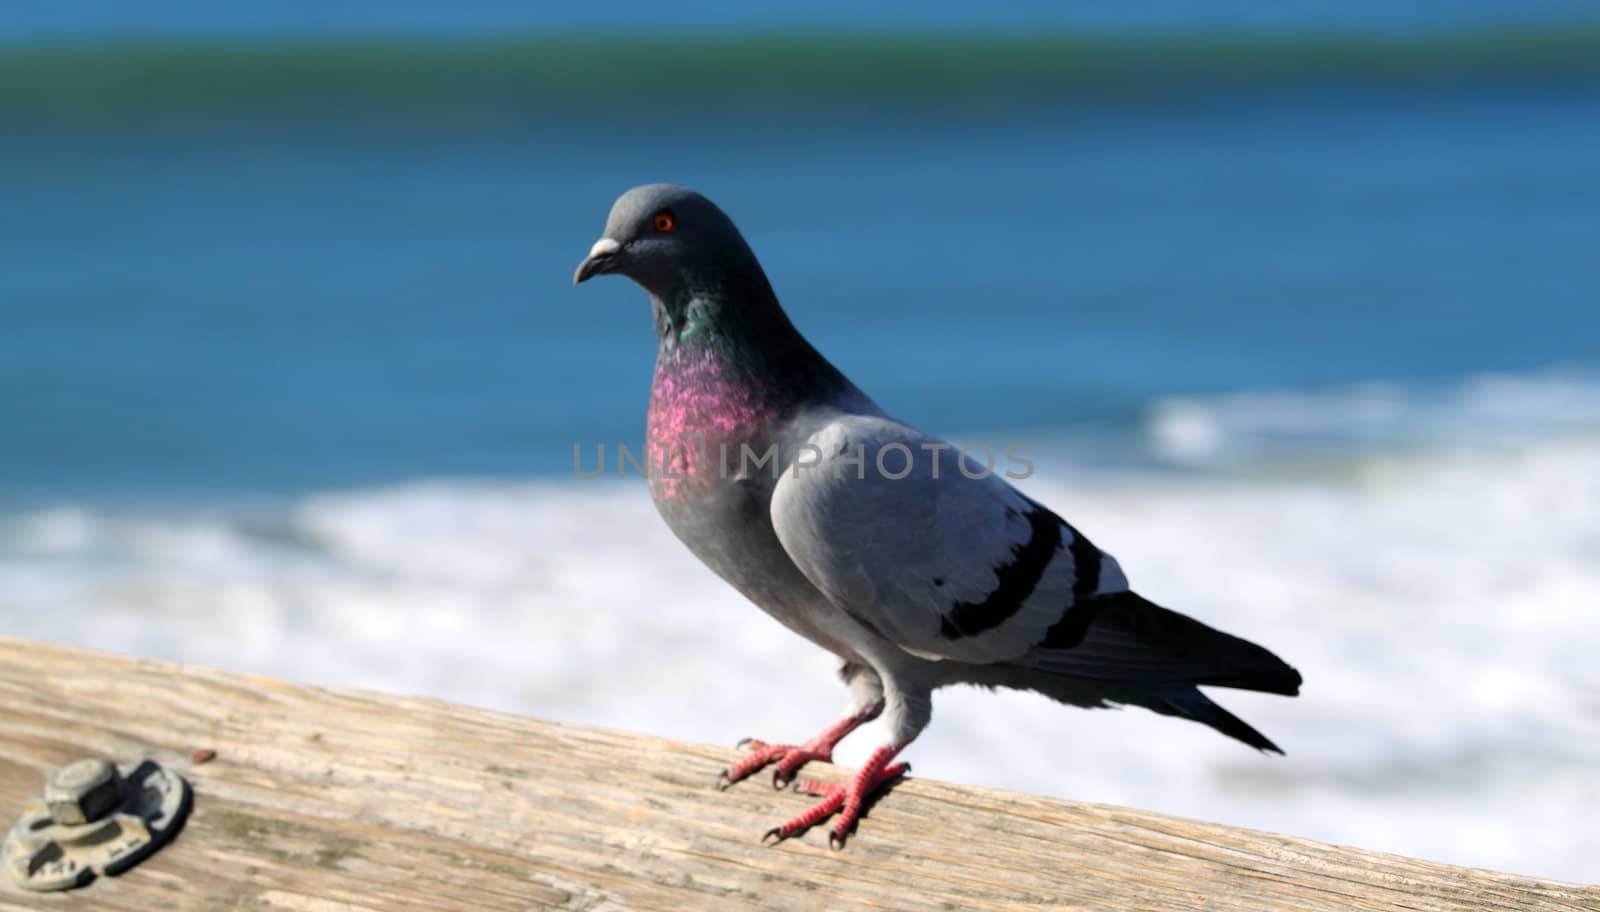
[
  {"x": 1260, "y": 424},
  {"x": 1442, "y": 603}
]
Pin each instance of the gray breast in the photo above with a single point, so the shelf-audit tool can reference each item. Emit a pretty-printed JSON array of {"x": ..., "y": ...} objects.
[{"x": 729, "y": 527}]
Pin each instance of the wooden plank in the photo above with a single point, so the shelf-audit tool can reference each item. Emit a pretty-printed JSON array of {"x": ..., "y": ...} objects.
[{"x": 337, "y": 801}]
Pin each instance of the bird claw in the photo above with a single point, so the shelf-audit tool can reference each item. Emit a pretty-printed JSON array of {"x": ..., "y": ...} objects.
[
  {"x": 723, "y": 781},
  {"x": 788, "y": 757},
  {"x": 848, "y": 799},
  {"x": 770, "y": 834}
]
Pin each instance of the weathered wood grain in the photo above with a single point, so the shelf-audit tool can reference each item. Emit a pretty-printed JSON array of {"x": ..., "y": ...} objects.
[{"x": 335, "y": 801}]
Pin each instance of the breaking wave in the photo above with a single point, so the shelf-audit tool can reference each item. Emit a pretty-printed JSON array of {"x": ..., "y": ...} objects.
[{"x": 1483, "y": 410}]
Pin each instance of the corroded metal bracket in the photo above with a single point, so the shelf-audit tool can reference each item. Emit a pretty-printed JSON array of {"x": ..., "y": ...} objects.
[{"x": 94, "y": 818}]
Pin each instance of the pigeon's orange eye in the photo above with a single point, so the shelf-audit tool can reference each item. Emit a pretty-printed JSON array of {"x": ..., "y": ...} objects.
[{"x": 663, "y": 221}]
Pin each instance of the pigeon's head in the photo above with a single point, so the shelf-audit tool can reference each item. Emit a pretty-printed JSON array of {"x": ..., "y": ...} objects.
[{"x": 666, "y": 238}]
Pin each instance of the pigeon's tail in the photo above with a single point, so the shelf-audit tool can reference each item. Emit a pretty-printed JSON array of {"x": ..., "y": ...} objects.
[
  {"x": 1190, "y": 703},
  {"x": 1139, "y": 652}
]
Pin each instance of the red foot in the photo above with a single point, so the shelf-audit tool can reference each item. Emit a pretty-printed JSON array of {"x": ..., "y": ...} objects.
[
  {"x": 844, "y": 797},
  {"x": 790, "y": 757}
]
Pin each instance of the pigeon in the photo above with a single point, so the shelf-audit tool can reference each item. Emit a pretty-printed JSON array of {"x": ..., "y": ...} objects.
[{"x": 884, "y": 545}]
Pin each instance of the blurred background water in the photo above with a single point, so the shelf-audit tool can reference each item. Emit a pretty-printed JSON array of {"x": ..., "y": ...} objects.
[{"x": 1296, "y": 304}]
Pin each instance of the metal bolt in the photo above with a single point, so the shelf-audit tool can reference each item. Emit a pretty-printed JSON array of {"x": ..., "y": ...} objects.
[
  {"x": 83, "y": 792},
  {"x": 94, "y": 819}
]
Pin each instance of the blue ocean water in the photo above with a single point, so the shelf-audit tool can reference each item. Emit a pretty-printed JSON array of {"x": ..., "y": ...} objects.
[
  {"x": 284, "y": 304},
  {"x": 1297, "y": 306}
]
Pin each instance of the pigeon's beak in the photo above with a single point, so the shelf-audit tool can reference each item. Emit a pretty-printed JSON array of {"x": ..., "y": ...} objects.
[{"x": 602, "y": 258}]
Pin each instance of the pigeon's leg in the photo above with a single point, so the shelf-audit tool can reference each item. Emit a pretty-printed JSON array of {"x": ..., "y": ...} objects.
[
  {"x": 847, "y": 798},
  {"x": 790, "y": 757},
  {"x": 906, "y": 712},
  {"x": 866, "y": 702}
]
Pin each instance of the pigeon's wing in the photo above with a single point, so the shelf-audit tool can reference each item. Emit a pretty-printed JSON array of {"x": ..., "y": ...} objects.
[{"x": 948, "y": 561}]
